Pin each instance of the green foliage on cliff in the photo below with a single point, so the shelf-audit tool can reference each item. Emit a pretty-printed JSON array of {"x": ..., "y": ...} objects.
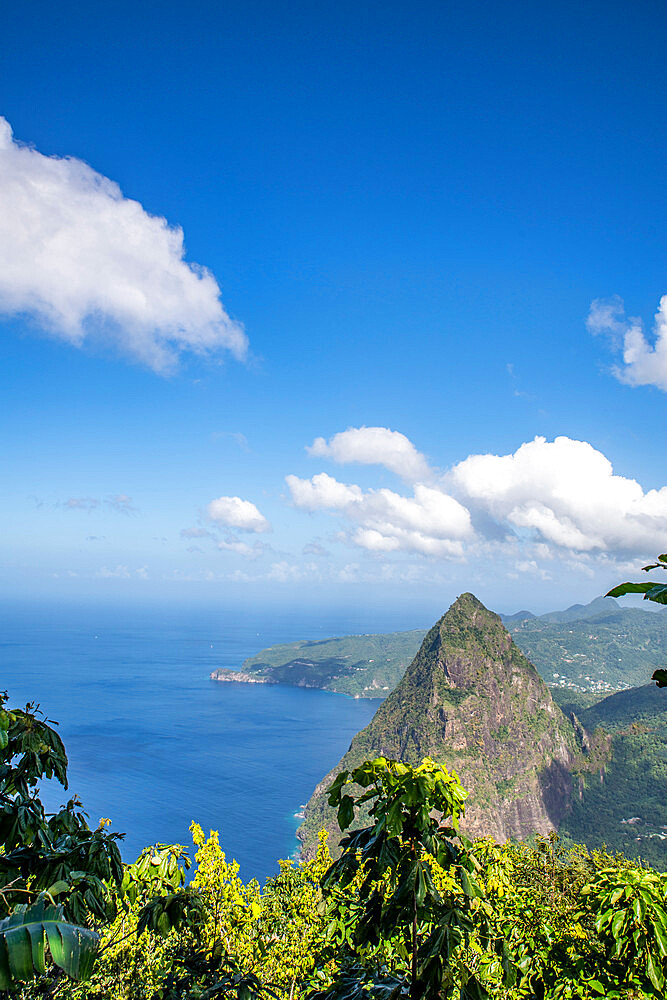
[{"x": 625, "y": 806}]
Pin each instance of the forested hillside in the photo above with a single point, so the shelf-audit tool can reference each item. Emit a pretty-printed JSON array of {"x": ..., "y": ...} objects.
[
  {"x": 627, "y": 810},
  {"x": 599, "y": 648}
]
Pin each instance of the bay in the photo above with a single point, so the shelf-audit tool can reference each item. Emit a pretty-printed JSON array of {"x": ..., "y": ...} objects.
[{"x": 153, "y": 743}]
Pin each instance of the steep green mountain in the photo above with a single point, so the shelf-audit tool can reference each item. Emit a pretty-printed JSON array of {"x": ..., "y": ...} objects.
[
  {"x": 627, "y": 810},
  {"x": 598, "y": 647},
  {"x": 472, "y": 700}
]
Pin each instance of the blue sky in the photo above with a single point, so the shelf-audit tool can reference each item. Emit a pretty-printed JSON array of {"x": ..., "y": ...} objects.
[{"x": 429, "y": 233}]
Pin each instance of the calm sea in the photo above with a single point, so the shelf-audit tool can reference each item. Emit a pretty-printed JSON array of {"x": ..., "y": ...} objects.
[{"x": 153, "y": 743}]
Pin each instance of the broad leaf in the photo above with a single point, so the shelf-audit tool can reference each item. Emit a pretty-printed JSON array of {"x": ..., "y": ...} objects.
[{"x": 22, "y": 944}]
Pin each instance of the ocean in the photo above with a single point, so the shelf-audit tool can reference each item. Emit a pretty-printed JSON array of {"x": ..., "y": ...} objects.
[{"x": 153, "y": 743}]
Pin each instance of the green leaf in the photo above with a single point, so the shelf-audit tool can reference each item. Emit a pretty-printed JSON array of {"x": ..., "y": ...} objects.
[
  {"x": 473, "y": 990},
  {"x": 470, "y": 886},
  {"x": 655, "y": 973},
  {"x": 630, "y": 588},
  {"x": 22, "y": 944},
  {"x": 58, "y": 887},
  {"x": 657, "y": 593},
  {"x": 345, "y": 811},
  {"x": 660, "y": 677},
  {"x": 661, "y": 937}
]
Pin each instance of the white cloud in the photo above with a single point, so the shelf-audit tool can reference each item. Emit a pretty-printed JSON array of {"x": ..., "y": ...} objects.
[
  {"x": 87, "y": 262},
  {"x": 284, "y": 572},
  {"x": 564, "y": 492},
  {"x": 121, "y": 573},
  {"x": 644, "y": 363},
  {"x": 430, "y": 522},
  {"x": 255, "y": 551},
  {"x": 547, "y": 501},
  {"x": 374, "y": 446},
  {"x": 238, "y": 513},
  {"x": 322, "y": 492}
]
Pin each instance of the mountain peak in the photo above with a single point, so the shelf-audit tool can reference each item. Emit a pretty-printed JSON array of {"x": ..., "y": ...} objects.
[
  {"x": 472, "y": 700},
  {"x": 471, "y": 606}
]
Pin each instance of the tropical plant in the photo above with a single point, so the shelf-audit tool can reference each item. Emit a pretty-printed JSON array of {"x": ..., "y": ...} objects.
[
  {"x": 397, "y": 920},
  {"x": 55, "y": 872},
  {"x": 32, "y": 933},
  {"x": 652, "y": 591},
  {"x": 631, "y": 921}
]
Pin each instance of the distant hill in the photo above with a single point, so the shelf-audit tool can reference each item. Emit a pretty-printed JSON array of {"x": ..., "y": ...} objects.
[
  {"x": 598, "y": 647},
  {"x": 472, "y": 700},
  {"x": 627, "y": 810},
  {"x": 595, "y": 647},
  {"x": 575, "y": 613},
  {"x": 364, "y": 666},
  {"x": 518, "y": 616}
]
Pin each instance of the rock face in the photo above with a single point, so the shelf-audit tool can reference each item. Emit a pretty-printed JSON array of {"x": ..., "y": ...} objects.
[{"x": 471, "y": 700}]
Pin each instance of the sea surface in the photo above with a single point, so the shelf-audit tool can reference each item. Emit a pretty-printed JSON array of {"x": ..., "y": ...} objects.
[{"x": 153, "y": 743}]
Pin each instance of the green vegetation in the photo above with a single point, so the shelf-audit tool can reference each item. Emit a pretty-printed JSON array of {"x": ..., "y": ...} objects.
[
  {"x": 624, "y": 807},
  {"x": 598, "y": 648},
  {"x": 411, "y": 909},
  {"x": 363, "y": 666},
  {"x": 610, "y": 650}
]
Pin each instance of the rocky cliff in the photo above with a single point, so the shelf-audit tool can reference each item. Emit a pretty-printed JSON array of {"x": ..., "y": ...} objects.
[{"x": 472, "y": 700}]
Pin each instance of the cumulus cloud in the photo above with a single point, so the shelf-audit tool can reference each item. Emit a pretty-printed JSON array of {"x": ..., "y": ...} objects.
[
  {"x": 86, "y": 262},
  {"x": 237, "y": 513},
  {"x": 564, "y": 492},
  {"x": 547, "y": 499},
  {"x": 374, "y": 446},
  {"x": 644, "y": 360},
  {"x": 322, "y": 492},
  {"x": 430, "y": 522}
]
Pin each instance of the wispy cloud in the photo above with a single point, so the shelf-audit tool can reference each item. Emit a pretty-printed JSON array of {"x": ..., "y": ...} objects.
[
  {"x": 121, "y": 572},
  {"x": 235, "y": 436},
  {"x": 81, "y": 503},
  {"x": 88, "y": 263},
  {"x": 120, "y": 503}
]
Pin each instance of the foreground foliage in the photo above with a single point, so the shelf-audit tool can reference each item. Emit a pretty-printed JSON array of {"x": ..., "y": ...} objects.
[{"x": 410, "y": 908}]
